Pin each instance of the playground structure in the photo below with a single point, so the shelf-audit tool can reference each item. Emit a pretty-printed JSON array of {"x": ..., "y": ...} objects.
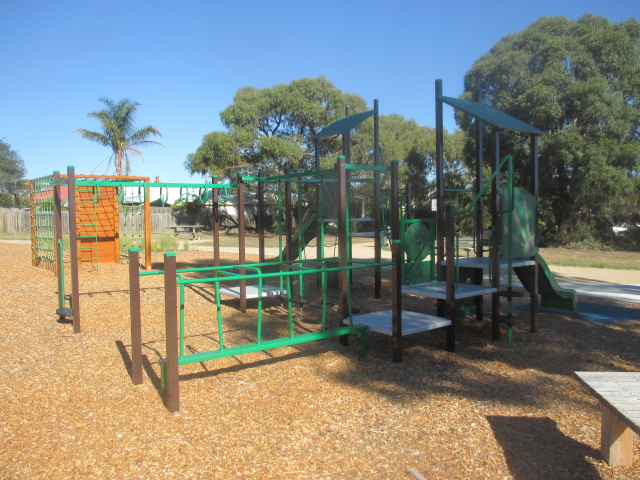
[
  {"x": 426, "y": 255},
  {"x": 287, "y": 269},
  {"x": 425, "y": 258},
  {"x": 95, "y": 231}
]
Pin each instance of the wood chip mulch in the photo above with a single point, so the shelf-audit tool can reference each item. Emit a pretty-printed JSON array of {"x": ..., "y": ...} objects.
[{"x": 68, "y": 408}]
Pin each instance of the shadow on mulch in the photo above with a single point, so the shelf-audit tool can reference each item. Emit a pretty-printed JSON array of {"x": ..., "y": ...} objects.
[{"x": 535, "y": 448}]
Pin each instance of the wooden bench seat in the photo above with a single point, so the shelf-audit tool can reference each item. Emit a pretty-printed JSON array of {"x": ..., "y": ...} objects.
[{"x": 619, "y": 396}]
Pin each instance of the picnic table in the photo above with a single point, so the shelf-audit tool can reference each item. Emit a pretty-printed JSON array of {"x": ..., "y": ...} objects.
[
  {"x": 194, "y": 230},
  {"x": 619, "y": 396}
]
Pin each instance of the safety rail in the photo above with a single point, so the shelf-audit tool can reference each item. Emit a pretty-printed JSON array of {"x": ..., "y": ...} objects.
[
  {"x": 174, "y": 280},
  {"x": 508, "y": 161}
]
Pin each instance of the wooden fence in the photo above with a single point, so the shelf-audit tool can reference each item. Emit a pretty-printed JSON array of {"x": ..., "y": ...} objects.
[{"x": 17, "y": 220}]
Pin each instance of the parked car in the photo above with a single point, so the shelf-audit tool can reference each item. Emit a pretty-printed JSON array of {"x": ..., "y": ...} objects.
[{"x": 622, "y": 228}]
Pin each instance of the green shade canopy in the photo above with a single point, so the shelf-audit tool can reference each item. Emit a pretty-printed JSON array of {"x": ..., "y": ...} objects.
[
  {"x": 344, "y": 125},
  {"x": 490, "y": 115}
]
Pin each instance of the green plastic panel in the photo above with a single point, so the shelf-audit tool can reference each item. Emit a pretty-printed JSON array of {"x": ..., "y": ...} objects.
[
  {"x": 491, "y": 115},
  {"x": 524, "y": 227},
  {"x": 344, "y": 125},
  {"x": 417, "y": 242}
]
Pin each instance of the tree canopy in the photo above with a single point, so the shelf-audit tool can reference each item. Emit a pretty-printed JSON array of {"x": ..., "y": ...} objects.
[
  {"x": 272, "y": 127},
  {"x": 119, "y": 132},
  {"x": 12, "y": 167},
  {"x": 579, "y": 81},
  {"x": 13, "y": 191}
]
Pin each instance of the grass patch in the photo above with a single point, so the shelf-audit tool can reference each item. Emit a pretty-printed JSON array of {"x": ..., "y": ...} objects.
[
  {"x": 231, "y": 240},
  {"x": 15, "y": 236},
  {"x": 164, "y": 243},
  {"x": 566, "y": 257}
]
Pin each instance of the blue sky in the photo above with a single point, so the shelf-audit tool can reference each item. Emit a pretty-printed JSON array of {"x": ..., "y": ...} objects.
[{"x": 184, "y": 61}]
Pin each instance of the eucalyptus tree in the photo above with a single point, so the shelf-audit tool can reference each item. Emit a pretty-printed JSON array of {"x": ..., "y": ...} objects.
[
  {"x": 12, "y": 171},
  {"x": 579, "y": 81},
  {"x": 119, "y": 132},
  {"x": 271, "y": 128},
  {"x": 12, "y": 167}
]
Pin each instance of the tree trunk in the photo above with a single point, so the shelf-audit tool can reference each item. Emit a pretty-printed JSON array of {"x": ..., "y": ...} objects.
[{"x": 118, "y": 163}]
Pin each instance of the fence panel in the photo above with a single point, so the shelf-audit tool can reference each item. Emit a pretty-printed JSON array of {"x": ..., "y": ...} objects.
[
  {"x": 18, "y": 220},
  {"x": 15, "y": 220}
]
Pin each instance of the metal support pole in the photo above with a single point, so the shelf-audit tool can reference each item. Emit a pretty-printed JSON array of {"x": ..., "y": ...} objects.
[
  {"x": 450, "y": 308},
  {"x": 147, "y": 229},
  {"x": 497, "y": 233},
  {"x": 346, "y": 139},
  {"x": 215, "y": 220},
  {"x": 479, "y": 131},
  {"x": 241, "y": 242},
  {"x": 376, "y": 200},
  {"x": 479, "y": 220},
  {"x": 396, "y": 279},
  {"x": 534, "y": 281},
  {"x": 439, "y": 181},
  {"x": 341, "y": 175},
  {"x": 57, "y": 235},
  {"x": 260, "y": 219},
  {"x": 288, "y": 218},
  {"x": 319, "y": 207}
]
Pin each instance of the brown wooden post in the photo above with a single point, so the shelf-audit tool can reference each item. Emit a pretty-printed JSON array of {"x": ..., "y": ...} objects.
[
  {"x": 396, "y": 274},
  {"x": 241, "y": 242},
  {"x": 172, "y": 378},
  {"x": 33, "y": 229},
  {"x": 134, "y": 312},
  {"x": 616, "y": 439},
  {"x": 343, "y": 308},
  {"x": 73, "y": 247}
]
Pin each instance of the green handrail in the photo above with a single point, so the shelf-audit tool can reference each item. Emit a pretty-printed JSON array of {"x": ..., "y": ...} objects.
[{"x": 474, "y": 202}]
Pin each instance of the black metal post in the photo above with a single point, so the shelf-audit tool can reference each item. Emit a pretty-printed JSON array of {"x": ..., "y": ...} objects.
[
  {"x": 376, "y": 200},
  {"x": 396, "y": 280},
  {"x": 439, "y": 181},
  {"x": 497, "y": 232}
]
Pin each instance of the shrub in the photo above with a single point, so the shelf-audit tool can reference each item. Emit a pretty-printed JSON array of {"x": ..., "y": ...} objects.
[{"x": 164, "y": 243}]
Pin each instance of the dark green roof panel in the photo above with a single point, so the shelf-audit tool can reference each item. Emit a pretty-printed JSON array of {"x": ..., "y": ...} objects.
[
  {"x": 344, "y": 125},
  {"x": 490, "y": 115}
]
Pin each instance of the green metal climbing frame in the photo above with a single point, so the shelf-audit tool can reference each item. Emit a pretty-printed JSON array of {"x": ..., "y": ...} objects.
[{"x": 42, "y": 223}]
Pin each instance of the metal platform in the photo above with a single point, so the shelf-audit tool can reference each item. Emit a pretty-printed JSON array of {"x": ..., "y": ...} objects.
[
  {"x": 412, "y": 322},
  {"x": 439, "y": 290},
  {"x": 485, "y": 262},
  {"x": 252, "y": 291}
]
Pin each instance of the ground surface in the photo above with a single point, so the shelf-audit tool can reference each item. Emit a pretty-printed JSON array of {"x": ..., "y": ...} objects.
[{"x": 68, "y": 408}]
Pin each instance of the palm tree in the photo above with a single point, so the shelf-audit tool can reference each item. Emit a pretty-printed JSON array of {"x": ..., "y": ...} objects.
[{"x": 119, "y": 132}]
